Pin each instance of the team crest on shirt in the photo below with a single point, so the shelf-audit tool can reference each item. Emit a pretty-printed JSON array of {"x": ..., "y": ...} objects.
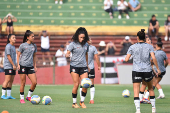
[
  {"x": 23, "y": 70},
  {"x": 85, "y": 47},
  {"x": 73, "y": 70},
  {"x": 10, "y": 71},
  {"x": 33, "y": 48}
]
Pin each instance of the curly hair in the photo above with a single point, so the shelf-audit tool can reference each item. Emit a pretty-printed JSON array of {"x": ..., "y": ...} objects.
[{"x": 80, "y": 30}]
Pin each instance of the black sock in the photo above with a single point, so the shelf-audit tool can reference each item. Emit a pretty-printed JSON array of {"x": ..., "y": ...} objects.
[
  {"x": 83, "y": 94},
  {"x": 91, "y": 86},
  {"x": 81, "y": 86},
  {"x": 30, "y": 90},
  {"x": 21, "y": 93},
  {"x": 8, "y": 88},
  {"x": 74, "y": 96},
  {"x": 3, "y": 88},
  {"x": 141, "y": 92},
  {"x": 136, "y": 98},
  {"x": 153, "y": 87},
  {"x": 152, "y": 97}
]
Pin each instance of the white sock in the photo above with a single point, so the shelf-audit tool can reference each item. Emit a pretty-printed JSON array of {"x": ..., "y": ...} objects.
[
  {"x": 21, "y": 96},
  {"x": 74, "y": 100},
  {"x": 80, "y": 92},
  {"x": 160, "y": 92},
  {"x": 153, "y": 102},
  {"x": 8, "y": 92},
  {"x": 140, "y": 96},
  {"x": 137, "y": 104},
  {"x": 83, "y": 96},
  {"x": 146, "y": 95},
  {"x": 3, "y": 91},
  {"x": 92, "y": 92},
  {"x": 29, "y": 94}
]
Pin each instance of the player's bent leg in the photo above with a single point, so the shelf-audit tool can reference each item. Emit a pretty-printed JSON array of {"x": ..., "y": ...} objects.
[
  {"x": 92, "y": 91},
  {"x": 142, "y": 89},
  {"x": 158, "y": 86},
  {"x": 33, "y": 79},
  {"x": 4, "y": 86},
  {"x": 75, "y": 78},
  {"x": 84, "y": 90},
  {"x": 23, "y": 81}
]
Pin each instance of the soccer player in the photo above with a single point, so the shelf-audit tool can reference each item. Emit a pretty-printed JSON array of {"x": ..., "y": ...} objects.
[
  {"x": 91, "y": 54},
  {"x": 79, "y": 63},
  {"x": 27, "y": 64},
  {"x": 142, "y": 69},
  {"x": 162, "y": 63},
  {"x": 9, "y": 66}
]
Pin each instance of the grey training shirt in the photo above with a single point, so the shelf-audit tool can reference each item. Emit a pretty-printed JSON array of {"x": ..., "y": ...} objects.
[
  {"x": 160, "y": 57},
  {"x": 78, "y": 58},
  {"x": 9, "y": 50},
  {"x": 91, "y": 53},
  {"x": 27, "y": 52},
  {"x": 141, "y": 56}
]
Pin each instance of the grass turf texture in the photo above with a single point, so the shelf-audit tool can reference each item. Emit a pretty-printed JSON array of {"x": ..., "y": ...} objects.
[{"x": 108, "y": 99}]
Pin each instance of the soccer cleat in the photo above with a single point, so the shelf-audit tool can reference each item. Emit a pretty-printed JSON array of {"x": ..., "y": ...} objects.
[
  {"x": 56, "y": 2},
  {"x": 75, "y": 106},
  {"x": 119, "y": 17},
  {"x": 61, "y": 2},
  {"x": 145, "y": 101},
  {"x": 166, "y": 38},
  {"x": 91, "y": 102},
  {"x": 10, "y": 97},
  {"x": 28, "y": 98},
  {"x": 82, "y": 105},
  {"x": 3, "y": 97},
  {"x": 22, "y": 101},
  {"x": 160, "y": 97},
  {"x": 138, "y": 111}
]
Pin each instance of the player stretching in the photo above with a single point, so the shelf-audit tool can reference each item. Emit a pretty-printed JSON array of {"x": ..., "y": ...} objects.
[
  {"x": 91, "y": 54},
  {"x": 27, "y": 64},
  {"x": 79, "y": 63},
  {"x": 142, "y": 69},
  {"x": 9, "y": 66}
]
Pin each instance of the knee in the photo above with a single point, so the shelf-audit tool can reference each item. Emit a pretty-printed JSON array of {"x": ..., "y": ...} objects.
[
  {"x": 34, "y": 83},
  {"x": 76, "y": 85}
]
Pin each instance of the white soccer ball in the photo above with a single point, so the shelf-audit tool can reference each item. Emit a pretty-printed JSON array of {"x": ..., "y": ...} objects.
[
  {"x": 126, "y": 93},
  {"x": 35, "y": 99},
  {"x": 46, "y": 100},
  {"x": 86, "y": 82}
]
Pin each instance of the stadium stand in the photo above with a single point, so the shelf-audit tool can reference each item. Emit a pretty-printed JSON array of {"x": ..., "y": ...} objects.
[{"x": 63, "y": 20}]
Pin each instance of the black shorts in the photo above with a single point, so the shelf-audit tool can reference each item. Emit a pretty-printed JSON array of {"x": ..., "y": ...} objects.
[
  {"x": 138, "y": 76},
  {"x": 161, "y": 75},
  {"x": 78, "y": 70},
  {"x": 91, "y": 74},
  {"x": 10, "y": 72},
  {"x": 44, "y": 50},
  {"x": 26, "y": 70}
]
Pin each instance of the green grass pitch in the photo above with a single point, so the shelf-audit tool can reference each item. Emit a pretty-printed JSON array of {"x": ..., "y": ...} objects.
[{"x": 108, "y": 99}]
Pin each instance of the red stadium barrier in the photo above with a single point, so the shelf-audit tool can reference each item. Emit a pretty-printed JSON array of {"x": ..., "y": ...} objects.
[{"x": 45, "y": 76}]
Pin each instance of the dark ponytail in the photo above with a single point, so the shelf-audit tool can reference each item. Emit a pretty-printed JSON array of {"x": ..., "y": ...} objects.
[
  {"x": 27, "y": 34},
  {"x": 167, "y": 19},
  {"x": 9, "y": 36},
  {"x": 141, "y": 34},
  {"x": 159, "y": 42}
]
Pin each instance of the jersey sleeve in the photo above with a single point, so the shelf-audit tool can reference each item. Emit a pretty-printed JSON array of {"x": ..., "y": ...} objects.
[
  {"x": 95, "y": 50},
  {"x": 21, "y": 48},
  {"x": 130, "y": 50},
  {"x": 165, "y": 56},
  {"x": 8, "y": 51},
  {"x": 151, "y": 49},
  {"x": 35, "y": 48},
  {"x": 70, "y": 47},
  {"x": 87, "y": 47}
]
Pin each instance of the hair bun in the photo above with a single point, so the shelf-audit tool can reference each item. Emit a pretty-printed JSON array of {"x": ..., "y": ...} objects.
[
  {"x": 159, "y": 40},
  {"x": 142, "y": 30}
]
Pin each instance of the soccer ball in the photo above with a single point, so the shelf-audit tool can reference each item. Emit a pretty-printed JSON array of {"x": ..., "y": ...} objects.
[
  {"x": 46, "y": 100},
  {"x": 35, "y": 99},
  {"x": 86, "y": 83},
  {"x": 126, "y": 93}
]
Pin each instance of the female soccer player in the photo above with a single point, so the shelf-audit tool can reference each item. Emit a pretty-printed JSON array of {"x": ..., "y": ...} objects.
[
  {"x": 142, "y": 69},
  {"x": 91, "y": 54},
  {"x": 27, "y": 64},
  {"x": 79, "y": 63},
  {"x": 9, "y": 66},
  {"x": 162, "y": 63}
]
